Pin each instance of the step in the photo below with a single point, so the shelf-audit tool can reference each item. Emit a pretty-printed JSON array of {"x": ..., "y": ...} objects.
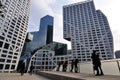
[{"x": 57, "y": 75}]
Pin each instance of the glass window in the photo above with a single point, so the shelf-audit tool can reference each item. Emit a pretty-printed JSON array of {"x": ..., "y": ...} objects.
[
  {"x": 6, "y": 46},
  {"x": 2, "y": 60},
  {"x": 9, "y": 61},
  {"x": 1, "y": 66},
  {"x": 13, "y": 66},
  {"x": 1, "y": 37},
  {"x": 3, "y": 55},
  {"x": 7, "y": 66},
  {"x": 1, "y": 43}
]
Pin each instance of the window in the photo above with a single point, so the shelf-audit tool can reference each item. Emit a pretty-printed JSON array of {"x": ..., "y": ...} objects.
[
  {"x": 15, "y": 57},
  {"x": 9, "y": 56},
  {"x": 1, "y": 43},
  {"x": 1, "y": 37},
  {"x": 9, "y": 61},
  {"x": 4, "y": 51},
  {"x": 10, "y": 52},
  {"x": 2, "y": 60},
  {"x": 3, "y": 55},
  {"x": 6, "y": 46},
  {"x": 7, "y": 66},
  {"x": 13, "y": 66},
  {"x": 14, "y": 61},
  {"x": 1, "y": 66}
]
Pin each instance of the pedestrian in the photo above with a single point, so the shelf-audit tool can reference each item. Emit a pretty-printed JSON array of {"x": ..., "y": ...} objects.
[
  {"x": 22, "y": 68},
  {"x": 72, "y": 65},
  {"x": 76, "y": 65},
  {"x": 31, "y": 69},
  {"x": 96, "y": 63},
  {"x": 64, "y": 66},
  {"x": 59, "y": 64}
]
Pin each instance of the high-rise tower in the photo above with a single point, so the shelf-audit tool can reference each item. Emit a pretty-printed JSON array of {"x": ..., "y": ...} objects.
[
  {"x": 13, "y": 30},
  {"x": 46, "y": 29},
  {"x": 87, "y": 29},
  {"x": 42, "y": 37}
]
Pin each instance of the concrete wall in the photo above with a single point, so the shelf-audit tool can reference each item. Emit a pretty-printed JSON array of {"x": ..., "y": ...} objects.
[{"x": 110, "y": 67}]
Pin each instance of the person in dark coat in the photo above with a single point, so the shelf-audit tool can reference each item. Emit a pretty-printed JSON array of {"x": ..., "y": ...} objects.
[
  {"x": 72, "y": 65},
  {"x": 22, "y": 69},
  {"x": 59, "y": 64},
  {"x": 64, "y": 66},
  {"x": 96, "y": 63},
  {"x": 76, "y": 65},
  {"x": 31, "y": 69}
]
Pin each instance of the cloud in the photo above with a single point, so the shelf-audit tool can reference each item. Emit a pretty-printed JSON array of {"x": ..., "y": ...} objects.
[{"x": 39, "y": 8}]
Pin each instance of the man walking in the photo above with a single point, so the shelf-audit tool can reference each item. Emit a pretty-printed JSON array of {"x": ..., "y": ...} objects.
[{"x": 96, "y": 63}]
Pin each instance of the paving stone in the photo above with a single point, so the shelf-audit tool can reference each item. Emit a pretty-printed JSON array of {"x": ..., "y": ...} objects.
[{"x": 17, "y": 76}]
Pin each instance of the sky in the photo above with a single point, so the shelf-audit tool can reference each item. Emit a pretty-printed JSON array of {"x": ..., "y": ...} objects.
[{"x": 41, "y": 8}]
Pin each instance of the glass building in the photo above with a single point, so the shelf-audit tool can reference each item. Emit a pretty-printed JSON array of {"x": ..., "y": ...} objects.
[
  {"x": 13, "y": 30},
  {"x": 87, "y": 29},
  {"x": 59, "y": 48},
  {"x": 42, "y": 37}
]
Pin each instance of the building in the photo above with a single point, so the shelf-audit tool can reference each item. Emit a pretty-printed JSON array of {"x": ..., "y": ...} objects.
[
  {"x": 45, "y": 60},
  {"x": 13, "y": 30},
  {"x": 46, "y": 30},
  {"x": 29, "y": 38},
  {"x": 69, "y": 52},
  {"x": 117, "y": 54},
  {"x": 87, "y": 29},
  {"x": 25, "y": 57},
  {"x": 43, "y": 36},
  {"x": 59, "y": 48}
]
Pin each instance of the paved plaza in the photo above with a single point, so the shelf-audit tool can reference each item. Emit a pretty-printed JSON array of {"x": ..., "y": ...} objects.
[
  {"x": 81, "y": 76},
  {"x": 78, "y": 76},
  {"x": 17, "y": 76}
]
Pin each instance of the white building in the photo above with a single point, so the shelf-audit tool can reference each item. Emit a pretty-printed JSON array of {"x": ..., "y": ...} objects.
[
  {"x": 87, "y": 29},
  {"x": 45, "y": 60},
  {"x": 13, "y": 30}
]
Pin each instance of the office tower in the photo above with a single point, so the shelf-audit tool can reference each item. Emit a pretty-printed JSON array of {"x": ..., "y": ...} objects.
[
  {"x": 46, "y": 30},
  {"x": 87, "y": 29},
  {"x": 13, "y": 30},
  {"x": 42, "y": 37}
]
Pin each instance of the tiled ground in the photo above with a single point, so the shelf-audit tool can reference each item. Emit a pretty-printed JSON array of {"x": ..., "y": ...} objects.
[
  {"x": 17, "y": 76},
  {"x": 85, "y": 76}
]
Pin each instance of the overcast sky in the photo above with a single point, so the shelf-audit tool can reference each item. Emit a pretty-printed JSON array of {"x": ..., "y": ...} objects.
[{"x": 40, "y": 8}]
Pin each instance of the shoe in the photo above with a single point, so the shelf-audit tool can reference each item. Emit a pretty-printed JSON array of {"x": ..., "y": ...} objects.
[
  {"x": 97, "y": 75},
  {"x": 76, "y": 72},
  {"x": 101, "y": 74}
]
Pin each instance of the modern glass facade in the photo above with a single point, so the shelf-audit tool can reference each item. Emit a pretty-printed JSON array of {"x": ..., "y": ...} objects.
[
  {"x": 87, "y": 29},
  {"x": 42, "y": 37},
  {"x": 46, "y": 30},
  {"x": 59, "y": 48},
  {"x": 13, "y": 30}
]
